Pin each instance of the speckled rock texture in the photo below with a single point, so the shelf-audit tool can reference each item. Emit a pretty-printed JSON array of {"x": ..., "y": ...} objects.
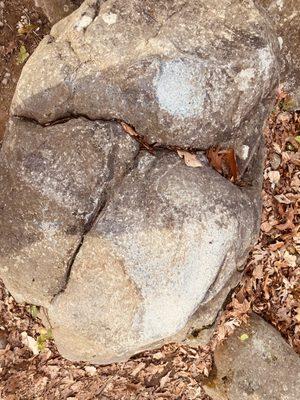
[
  {"x": 285, "y": 15},
  {"x": 260, "y": 367},
  {"x": 56, "y": 9},
  {"x": 128, "y": 250},
  {"x": 53, "y": 180},
  {"x": 165, "y": 242},
  {"x": 182, "y": 73}
]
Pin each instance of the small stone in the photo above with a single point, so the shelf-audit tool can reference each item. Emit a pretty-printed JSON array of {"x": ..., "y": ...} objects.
[
  {"x": 30, "y": 342},
  {"x": 4, "y": 81},
  {"x": 274, "y": 177},
  {"x": 2, "y": 5},
  {"x": 55, "y": 9}
]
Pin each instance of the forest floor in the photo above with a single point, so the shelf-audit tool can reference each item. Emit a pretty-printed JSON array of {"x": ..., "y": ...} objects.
[{"x": 269, "y": 287}]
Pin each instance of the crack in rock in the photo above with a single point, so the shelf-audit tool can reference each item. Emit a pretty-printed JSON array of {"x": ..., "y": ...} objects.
[{"x": 88, "y": 227}]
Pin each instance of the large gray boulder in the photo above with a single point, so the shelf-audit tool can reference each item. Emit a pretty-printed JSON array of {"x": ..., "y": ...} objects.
[
  {"x": 166, "y": 242},
  {"x": 127, "y": 249}
]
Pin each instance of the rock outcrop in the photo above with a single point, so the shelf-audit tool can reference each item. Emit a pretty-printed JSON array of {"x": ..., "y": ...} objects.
[{"x": 121, "y": 246}]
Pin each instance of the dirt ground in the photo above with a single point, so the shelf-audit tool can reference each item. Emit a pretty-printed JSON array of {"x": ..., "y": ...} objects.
[
  {"x": 270, "y": 285},
  {"x": 21, "y": 24}
]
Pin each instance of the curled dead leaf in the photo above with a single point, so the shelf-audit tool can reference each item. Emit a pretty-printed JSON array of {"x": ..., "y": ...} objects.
[
  {"x": 224, "y": 161},
  {"x": 281, "y": 198},
  {"x": 190, "y": 159},
  {"x": 128, "y": 129}
]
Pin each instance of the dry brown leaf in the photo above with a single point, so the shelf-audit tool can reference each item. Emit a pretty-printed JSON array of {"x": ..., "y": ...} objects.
[
  {"x": 128, "y": 129},
  {"x": 164, "y": 380},
  {"x": 281, "y": 198},
  {"x": 190, "y": 159},
  {"x": 138, "y": 368},
  {"x": 224, "y": 161},
  {"x": 276, "y": 246},
  {"x": 266, "y": 226},
  {"x": 289, "y": 221},
  {"x": 215, "y": 159},
  {"x": 231, "y": 163}
]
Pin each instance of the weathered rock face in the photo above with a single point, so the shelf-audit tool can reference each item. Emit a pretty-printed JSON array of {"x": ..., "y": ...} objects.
[
  {"x": 261, "y": 367},
  {"x": 164, "y": 243},
  {"x": 121, "y": 246},
  {"x": 56, "y": 9},
  {"x": 166, "y": 68},
  {"x": 53, "y": 180},
  {"x": 286, "y": 19}
]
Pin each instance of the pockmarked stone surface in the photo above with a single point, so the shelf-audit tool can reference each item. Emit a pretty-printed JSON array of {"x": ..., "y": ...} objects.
[
  {"x": 285, "y": 15},
  {"x": 53, "y": 180},
  {"x": 57, "y": 9},
  {"x": 128, "y": 250},
  {"x": 255, "y": 363},
  {"x": 182, "y": 73},
  {"x": 163, "y": 244}
]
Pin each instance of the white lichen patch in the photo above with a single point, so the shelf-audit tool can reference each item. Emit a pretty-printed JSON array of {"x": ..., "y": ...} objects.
[
  {"x": 244, "y": 78},
  {"x": 245, "y": 152},
  {"x": 50, "y": 229},
  {"x": 109, "y": 18},
  {"x": 180, "y": 88},
  {"x": 266, "y": 60},
  {"x": 83, "y": 23}
]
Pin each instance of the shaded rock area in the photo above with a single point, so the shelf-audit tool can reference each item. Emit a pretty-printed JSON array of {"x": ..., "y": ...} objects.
[
  {"x": 127, "y": 249},
  {"x": 255, "y": 363},
  {"x": 52, "y": 187},
  {"x": 57, "y": 9},
  {"x": 285, "y": 15}
]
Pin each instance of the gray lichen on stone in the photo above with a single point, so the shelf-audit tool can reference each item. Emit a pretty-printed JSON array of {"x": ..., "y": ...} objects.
[{"x": 181, "y": 88}]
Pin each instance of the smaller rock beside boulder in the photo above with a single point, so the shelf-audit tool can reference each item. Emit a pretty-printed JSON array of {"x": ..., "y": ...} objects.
[{"x": 255, "y": 364}]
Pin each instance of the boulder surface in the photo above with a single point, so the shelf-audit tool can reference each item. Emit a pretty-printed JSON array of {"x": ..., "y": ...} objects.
[
  {"x": 123, "y": 247},
  {"x": 255, "y": 363},
  {"x": 285, "y": 15}
]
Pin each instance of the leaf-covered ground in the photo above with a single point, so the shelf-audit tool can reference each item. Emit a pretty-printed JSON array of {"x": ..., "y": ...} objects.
[
  {"x": 270, "y": 287},
  {"x": 271, "y": 282},
  {"x": 22, "y": 26}
]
